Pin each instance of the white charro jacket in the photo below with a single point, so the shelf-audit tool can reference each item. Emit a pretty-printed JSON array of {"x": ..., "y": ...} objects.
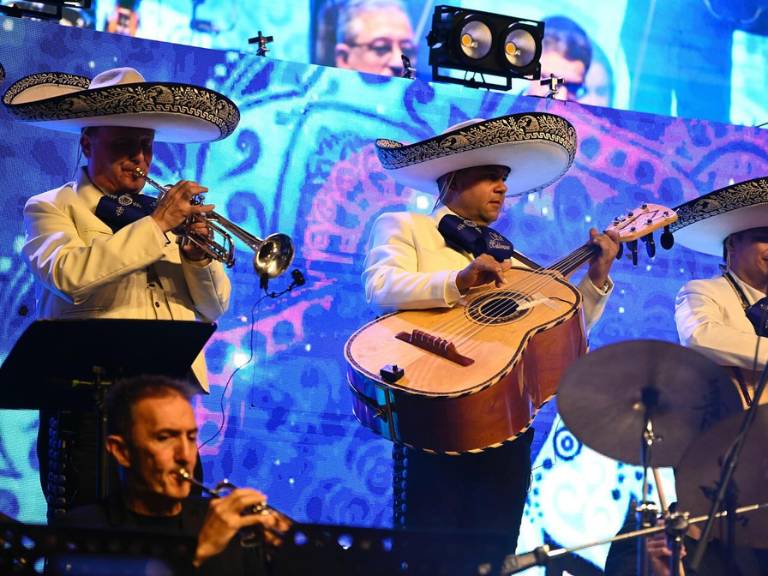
[
  {"x": 84, "y": 270},
  {"x": 410, "y": 266},
  {"x": 711, "y": 320}
]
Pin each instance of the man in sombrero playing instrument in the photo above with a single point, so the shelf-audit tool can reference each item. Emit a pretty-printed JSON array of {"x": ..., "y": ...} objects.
[
  {"x": 418, "y": 261},
  {"x": 726, "y": 317},
  {"x": 97, "y": 247}
]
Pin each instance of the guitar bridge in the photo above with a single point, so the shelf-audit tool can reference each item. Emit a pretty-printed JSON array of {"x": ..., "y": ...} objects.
[{"x": 439, "y": 346}]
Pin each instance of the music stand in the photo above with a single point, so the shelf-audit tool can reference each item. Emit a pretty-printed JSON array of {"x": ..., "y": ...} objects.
[
  {"x": 68, "y": 364},
  {"x": 74, "y": 550}
]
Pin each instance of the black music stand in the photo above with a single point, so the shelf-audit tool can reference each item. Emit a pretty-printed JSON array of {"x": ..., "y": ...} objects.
[
  {"x": 68, "y": 364},
  {"x": 74, "y": 551},
  {"x": 354, "y": 550}
]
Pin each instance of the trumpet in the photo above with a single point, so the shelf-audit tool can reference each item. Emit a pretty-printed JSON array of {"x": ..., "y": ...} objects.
[
  {"x": 248, "y": 537},
  {"x": 222, "y": 489},
  {"x": 272, "y": 255}
]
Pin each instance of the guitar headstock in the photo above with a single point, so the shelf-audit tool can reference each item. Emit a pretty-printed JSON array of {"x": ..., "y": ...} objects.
[
  {"x": 640, "y": 224},
  {"x": 642, "y": 221}
]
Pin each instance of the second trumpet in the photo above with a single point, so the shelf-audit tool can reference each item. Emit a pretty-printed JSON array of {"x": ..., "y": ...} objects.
[{"x": 272, "y": 255}]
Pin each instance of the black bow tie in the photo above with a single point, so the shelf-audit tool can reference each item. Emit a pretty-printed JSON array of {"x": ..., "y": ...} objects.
[
  {"x": 466, "y": 235},
  {"x": 758, "y": 315},
  {"x": 119, "y": 211}
]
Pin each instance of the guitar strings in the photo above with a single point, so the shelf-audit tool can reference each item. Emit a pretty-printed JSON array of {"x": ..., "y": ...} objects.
[
  {"x": 650, "y": 214},
  {"x": 508, "y": 305},
  {"x": 536, "y": 281}
]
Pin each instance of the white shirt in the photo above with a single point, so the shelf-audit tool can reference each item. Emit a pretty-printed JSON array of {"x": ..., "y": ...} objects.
[{"x": 711, "y": 320}]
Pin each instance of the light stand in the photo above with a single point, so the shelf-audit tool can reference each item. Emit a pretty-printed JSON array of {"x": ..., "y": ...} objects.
[
  {"x": 553, "y": 83},
  {"x": 262, "y": 41},
  {"x": 408, "y": 70}
]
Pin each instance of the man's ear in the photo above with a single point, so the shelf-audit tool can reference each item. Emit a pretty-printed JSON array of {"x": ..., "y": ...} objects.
[
  {"x": 341, "y": 55},
  {"x": 85, "y": 144},
  {"x": 118, "y": 448}
]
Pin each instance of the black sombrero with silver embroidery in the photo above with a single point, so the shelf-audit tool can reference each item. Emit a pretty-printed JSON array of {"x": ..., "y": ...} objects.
[
  {"x": 537, "y": 147},
  {"x": 705, "y": 222},
  {"x": 121, "y": 97}
]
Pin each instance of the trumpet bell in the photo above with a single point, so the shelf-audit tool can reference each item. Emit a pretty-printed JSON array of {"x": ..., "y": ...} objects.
[{"x": 273, "y": 256}]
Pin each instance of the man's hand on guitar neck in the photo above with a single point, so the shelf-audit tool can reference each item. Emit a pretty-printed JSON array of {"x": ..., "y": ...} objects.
[
  {"x": 600, "y": 264},
  {"x": 482, "y": 270}
]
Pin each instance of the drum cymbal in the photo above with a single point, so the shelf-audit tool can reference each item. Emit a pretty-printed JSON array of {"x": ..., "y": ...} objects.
[
  {"x": 603, "y": 398},
  {"x": 699, "y": 470}
]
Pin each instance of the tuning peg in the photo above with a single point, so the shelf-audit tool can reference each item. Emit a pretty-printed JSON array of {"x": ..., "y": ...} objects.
[
  {"x": 650, "y": 245},
  {"x": 620, "y": 252},
  {"x": 632, "y": 245},
  {"x": 667, "y": 239}
]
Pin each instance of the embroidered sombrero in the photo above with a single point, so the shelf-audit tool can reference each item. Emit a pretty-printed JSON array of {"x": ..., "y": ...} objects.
[
  {"x": 121, "y": 97},
  {"x": 705, "y": 222},
  {"x": 537, "y": 147}
]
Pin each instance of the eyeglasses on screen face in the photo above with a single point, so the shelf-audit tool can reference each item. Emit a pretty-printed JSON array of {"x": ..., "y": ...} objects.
[
  {"x": 383, "y": 47},
  {"x": 576, "y": 89}
]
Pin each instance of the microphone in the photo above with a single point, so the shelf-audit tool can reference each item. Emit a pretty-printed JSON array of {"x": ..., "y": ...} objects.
[{"x": 297, "y": 279}]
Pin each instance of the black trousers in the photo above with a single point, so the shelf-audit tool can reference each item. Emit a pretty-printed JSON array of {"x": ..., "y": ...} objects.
[{"x": 484, "y": 492}]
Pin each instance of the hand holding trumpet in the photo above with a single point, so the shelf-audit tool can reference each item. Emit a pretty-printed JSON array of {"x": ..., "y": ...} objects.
[
  {"x": 176, "y": 207},
  {"x": 225, "y": 519},
  {"x": 205, "y": 234},
  {"x": 229, "y": 514}
]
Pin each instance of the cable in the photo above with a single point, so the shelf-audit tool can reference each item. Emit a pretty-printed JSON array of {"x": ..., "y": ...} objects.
[
  {"x": 298, "y": 280},
  {"x": 235, "y": 371}
]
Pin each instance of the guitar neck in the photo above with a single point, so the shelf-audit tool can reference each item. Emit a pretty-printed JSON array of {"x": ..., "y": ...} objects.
[
  {"x": 637, "y": 223},
  {"x": 567, "y": 265}
]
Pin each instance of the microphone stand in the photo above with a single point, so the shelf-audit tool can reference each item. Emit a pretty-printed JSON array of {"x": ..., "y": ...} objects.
[{"x": 726, "y": 474}]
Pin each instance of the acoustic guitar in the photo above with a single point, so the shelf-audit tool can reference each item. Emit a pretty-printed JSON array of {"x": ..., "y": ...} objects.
[{"x": 468, "y": 378}]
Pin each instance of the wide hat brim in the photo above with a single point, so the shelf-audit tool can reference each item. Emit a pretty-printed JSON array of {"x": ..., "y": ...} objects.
[
  {"x": 537, "y": 147},
  {"x": 705, "y": 222},
  {"x": 176, "y": 112}
]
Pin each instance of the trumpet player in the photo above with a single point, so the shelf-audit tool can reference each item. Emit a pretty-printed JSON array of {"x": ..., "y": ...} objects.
[
  {"x": 153, "y": 438},
  {"x": 97, "y": 247}
]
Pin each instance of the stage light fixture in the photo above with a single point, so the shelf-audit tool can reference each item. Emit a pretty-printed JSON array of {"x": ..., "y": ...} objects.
[{"x": 483, "y": 43}]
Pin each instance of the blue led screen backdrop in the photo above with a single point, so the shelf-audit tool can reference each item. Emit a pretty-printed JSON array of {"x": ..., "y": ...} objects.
[
  {"x": 646, "y": 56},
  {"x": 302, "y": 162}
]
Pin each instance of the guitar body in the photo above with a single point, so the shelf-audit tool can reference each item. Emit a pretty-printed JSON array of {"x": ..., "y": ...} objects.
[{"x": 504, "y": 365}]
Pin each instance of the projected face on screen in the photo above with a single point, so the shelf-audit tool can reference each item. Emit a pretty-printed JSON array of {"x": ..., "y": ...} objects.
[
  {"x": 567, "y": 55},
  {"x": 373, "y": 36}
]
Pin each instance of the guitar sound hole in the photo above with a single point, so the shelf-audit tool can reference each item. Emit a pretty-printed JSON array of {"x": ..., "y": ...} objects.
[{"x": 497, "y": 307}]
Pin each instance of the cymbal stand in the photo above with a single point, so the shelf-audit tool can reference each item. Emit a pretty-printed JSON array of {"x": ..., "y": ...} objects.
[
  {"x": 725, "y": 492},
  {"x": 646, "y": 510},
  {"x": 675, "y": 525},
  {"x": 542, "y": 555}
]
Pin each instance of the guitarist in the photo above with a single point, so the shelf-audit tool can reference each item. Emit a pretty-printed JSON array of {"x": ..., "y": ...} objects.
[
  {"x": 726, "y": 317},
  {"x": 723, "y": 319},
  {"x": 420, "y": 261}
]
